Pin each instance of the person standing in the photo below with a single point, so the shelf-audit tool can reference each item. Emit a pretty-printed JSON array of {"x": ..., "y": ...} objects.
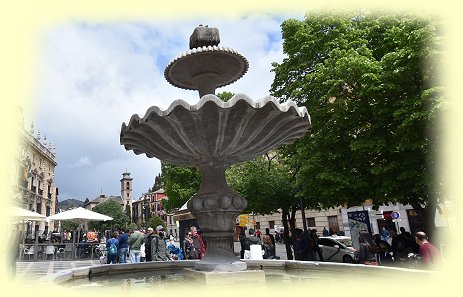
[
  {"x": 384, "y": 234},
  {"x": 123, "y": 246},
  {"x": 135, "y": 241},
  {"x": 148, "y": 239},
  {"x": 187, "y": 245},
  {"x": 367, "y": 250},
  {"x": 269, "y": 247},
  {"x": 112, "y": 246},
  {"x": 325, "y": 232},
  {"x": 244, "y": 243},
  {"x": 429, "y": 253},
  {"x": 159, "y": 250},
  {"x": 272, "y": 239},
  {"x": 198, "y": 247},
  {"x": 300, "y": 245},
  {"x": 316, "y": 248}
]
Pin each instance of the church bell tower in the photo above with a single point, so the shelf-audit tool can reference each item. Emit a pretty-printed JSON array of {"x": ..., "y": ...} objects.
[{"x": 126, "y": 191}]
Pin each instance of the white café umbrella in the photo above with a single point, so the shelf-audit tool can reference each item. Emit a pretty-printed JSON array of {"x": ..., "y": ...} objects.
[
  {"x": 22, "y": 214},
  {"x": 79, "y": 214}
]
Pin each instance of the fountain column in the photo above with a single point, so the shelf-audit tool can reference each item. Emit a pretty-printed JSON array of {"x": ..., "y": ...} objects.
[{"x": 216, "y": 207}]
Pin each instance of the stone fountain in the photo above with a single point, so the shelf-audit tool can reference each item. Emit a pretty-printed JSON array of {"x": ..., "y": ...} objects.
[{"x": 212, "y": 135}]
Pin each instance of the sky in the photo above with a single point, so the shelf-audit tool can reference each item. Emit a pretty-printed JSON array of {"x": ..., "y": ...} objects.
[{"x": 92, "y": 76}]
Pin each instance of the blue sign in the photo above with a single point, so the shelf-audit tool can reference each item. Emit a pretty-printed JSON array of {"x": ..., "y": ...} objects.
[{"x": 395, "y": 215}]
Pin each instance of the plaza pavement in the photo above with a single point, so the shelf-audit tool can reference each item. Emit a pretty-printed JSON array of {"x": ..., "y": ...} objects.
[{"x": 30, "y": 272}]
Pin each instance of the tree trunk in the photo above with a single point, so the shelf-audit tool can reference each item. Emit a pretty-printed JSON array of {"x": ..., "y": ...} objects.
[
  {"x": 428, "y": 214},
  {"x": 286, "y": 239}
]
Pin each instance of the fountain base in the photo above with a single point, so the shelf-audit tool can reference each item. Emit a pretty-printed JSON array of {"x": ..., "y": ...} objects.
[
  {"x": 206, "y": 266},
  {"x": 225, "y": 278}
]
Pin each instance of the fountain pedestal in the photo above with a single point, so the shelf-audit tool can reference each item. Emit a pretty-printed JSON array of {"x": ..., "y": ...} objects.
[{"x": 216, "y": 207}]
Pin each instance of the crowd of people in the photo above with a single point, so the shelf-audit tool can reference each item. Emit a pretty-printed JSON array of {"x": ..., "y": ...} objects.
[
  {"x": 153, "y": 245},
  {"x": 398, "y": 249},
  {"x": 388, "y": 248}
]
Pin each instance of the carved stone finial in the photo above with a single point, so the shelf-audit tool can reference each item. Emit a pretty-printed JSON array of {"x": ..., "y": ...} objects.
[{"x": 204, "y": 36}]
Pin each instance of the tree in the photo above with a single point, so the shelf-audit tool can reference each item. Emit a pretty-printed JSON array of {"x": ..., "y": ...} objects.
[
  {"x": 369, "y": 84},
  {"x": 128, "y": 213},
  {"x": 158, "y": 184},
  {"x": 155, "y": 221},
  {"x": 69, "y": 225},
  {"x": 180, "y": 184},
  {"x": 267, "y": 184},
  {"x": 113, "y": 209}
]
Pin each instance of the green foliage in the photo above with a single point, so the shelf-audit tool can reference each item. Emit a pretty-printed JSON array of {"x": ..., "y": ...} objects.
[
  {"x": 180, "y": 183},
  {"x": 113, "y": 209},
  {"x": 158, "y": 184},
  {"x": 128, "y": 213},
  {"x": 155, "y": 221},
  {"x": 225, "y": 96},
  {"x": 369, "y": 85},
  {"x": 266, "y": 183},
  {"x": 69, "y": 225},
  {"x": 132, "y": 226}
]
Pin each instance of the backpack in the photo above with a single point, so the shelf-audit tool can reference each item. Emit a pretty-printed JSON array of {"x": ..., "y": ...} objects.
[{"x": 112, "y": 249}]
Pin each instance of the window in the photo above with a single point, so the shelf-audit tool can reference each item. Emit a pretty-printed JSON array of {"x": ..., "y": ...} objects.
[
  {"x": 257, "y": 225},
  {"x": 310, "y": 222},
  {"x": 128, "y": 186},
  {"x": 127, "y": 195},
  {"x": 271, "y": 224},
  {"x": 326, "y": 242}
]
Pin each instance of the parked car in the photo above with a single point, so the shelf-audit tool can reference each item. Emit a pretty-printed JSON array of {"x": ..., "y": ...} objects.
[{"x": 338, "y": 249}]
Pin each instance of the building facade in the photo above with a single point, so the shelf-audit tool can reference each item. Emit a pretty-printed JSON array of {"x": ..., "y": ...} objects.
[
  {"x": 35, "y": 178},
  {"x": 151, "y": 204}
]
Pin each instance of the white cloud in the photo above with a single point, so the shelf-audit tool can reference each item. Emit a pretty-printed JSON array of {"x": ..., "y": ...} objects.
[
  {"x": 83, "y": 161},
  {"x": 95, "y": 76}
]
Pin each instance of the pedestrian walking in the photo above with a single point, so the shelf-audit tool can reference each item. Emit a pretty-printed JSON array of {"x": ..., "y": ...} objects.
[
  {"x": 112, "y": 246},
  {"x": 316, "y": 247},
  {"x": 198, "y": 249},
  {"x": 135, "y": 241},
  {"x": 123, "y": 245},
  {"x": 148, "y": 239},
  {"x": 159, "y": 250}
]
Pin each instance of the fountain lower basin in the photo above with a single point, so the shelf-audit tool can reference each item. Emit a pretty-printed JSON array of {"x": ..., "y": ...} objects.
[{"x": 261, "y": 273}]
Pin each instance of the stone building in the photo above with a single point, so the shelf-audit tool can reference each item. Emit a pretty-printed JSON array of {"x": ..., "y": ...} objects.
[
  {"x": 102, "y": 198},
  {"x": 151, "y": 204},
  {"x": 35, "y": 178}
]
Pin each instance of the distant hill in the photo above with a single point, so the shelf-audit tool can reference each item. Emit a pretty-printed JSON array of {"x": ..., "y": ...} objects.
[{"x": 70, "y": 203}]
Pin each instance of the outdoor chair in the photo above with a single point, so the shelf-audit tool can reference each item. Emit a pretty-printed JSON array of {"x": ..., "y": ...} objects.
[
  {"x": 29, "y": 252},
  {"x": 49, "y": 250},
  {"x": 62, "y": 252}
]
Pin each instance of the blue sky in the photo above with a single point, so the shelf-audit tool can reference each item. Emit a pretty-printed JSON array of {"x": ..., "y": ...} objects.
[{"x": 93, "y": 76}]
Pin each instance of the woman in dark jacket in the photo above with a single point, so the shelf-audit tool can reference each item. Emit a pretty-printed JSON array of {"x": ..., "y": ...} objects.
[{"x": 367, "y": 251}]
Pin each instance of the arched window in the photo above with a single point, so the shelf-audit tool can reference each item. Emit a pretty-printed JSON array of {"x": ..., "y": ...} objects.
[{"x": 128, "y": 186}]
